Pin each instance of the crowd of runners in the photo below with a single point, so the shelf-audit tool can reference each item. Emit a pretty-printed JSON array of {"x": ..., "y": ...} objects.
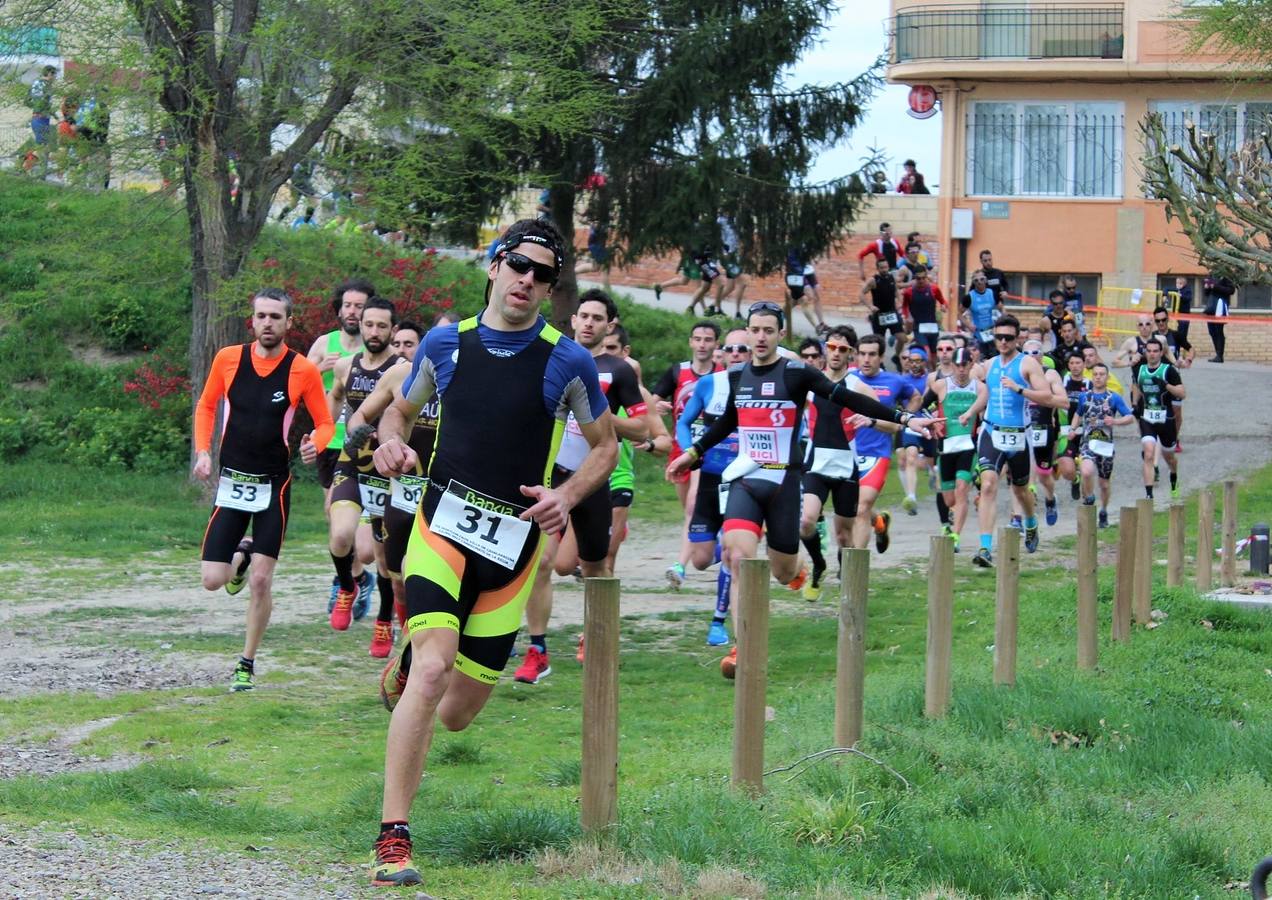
[{"x": 464, "y": 462}]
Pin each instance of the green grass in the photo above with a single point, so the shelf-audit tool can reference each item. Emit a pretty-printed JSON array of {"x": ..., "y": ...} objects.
[{"x": 1146, "y": 778}]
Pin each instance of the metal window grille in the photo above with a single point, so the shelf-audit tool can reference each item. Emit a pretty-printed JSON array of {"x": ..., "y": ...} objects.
[{"x": 1044, "y": 150}]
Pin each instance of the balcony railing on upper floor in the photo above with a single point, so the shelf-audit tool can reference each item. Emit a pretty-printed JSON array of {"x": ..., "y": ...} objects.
[{"x": 1007, "y": 32}]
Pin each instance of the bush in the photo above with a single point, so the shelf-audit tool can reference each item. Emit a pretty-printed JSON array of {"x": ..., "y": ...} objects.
[{"x": 131, "y": 439}]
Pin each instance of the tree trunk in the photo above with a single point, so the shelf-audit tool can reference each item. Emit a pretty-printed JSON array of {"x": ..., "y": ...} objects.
[
  {"x": 565, "y": 296},
  {"x": 214, "y": 259}
]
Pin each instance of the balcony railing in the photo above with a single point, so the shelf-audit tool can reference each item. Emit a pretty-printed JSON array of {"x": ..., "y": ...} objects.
[
  {"x": 28, "y": 41},
  {"x": 1007, "y": 32}
]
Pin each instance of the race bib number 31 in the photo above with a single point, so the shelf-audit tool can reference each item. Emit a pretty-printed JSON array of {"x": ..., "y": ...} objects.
[
  {"x": 244, "y": 492},
  {"x": 484, "y": 525},
  {"x": 374, "y": 492}
]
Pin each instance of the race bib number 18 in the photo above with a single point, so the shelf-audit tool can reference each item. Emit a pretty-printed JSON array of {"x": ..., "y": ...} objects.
[
  {"x": 244, "y": 492},
  {"x": 484, "y": 525},
  {"x": 1155, "y": 416}
]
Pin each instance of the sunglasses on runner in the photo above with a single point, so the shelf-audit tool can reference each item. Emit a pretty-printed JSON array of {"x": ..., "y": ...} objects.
[
  {"x": 765, "y": 306},
  {"x": 839, "y": 348},
  {"x": 1033, "y": 353},
  {"x": 736, "y": 348},
  {"x": 1162, "y": 319},
  {"x": 521, "y": 264},
  {"x": 1004, "y": 337},
  {"x": 810, "y": 355}
]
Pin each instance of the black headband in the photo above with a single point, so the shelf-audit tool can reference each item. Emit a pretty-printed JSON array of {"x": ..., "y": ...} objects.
[{"x": 512, "y": 242}]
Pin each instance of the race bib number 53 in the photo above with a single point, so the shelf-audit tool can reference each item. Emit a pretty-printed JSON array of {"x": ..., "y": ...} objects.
[
  {"x": 244, "y": 492},
  {"x": 484, "y": 525}
]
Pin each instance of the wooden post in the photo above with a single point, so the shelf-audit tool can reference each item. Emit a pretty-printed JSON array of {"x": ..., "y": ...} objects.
[
  {"x": 1228, "y": 560},
  {"x": 940, "y": 627},
  {"x": 850, "y": 669},
  {"x": 598, "y": 809},
  {"x": 1126, "y": 527},
  {"x": 1006, "y": 606},
  {"x": 752, "y": 675},
  {"x": 1175, "y": 546},
  {"x": 1205, "y": 540},
  {"x": 1088, "y": 589},
  {"x": 1142, "y": 604}
]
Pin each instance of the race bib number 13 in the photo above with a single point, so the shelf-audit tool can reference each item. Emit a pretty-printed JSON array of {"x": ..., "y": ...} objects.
[
  {"x": 1007, "y": 440},
  {"x": 244, "y": 492},
  {"x": 484, "y": 525}
]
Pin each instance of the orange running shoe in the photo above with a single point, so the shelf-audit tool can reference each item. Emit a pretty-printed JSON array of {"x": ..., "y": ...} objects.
[
  {"x": 391, "y": 864},
  {"x": 382, "y": 639},
  {"x": 729, "y": 665},
  {"x": 798, "y": 581},
  {"x": 392, "y": 683}
]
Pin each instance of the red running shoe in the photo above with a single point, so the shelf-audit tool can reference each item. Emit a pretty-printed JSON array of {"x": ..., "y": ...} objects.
[
  {"x": 535, "y": 667},
  {"x": 342, "y": 612},
  {"x": 391, "y": 864},
  {"x": 382, "y": 639}
]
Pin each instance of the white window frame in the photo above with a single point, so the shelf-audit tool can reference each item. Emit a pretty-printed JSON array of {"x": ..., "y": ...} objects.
[{"x": 1116, "y": 108}]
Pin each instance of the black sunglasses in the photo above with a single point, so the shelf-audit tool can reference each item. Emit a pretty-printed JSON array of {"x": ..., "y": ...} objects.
[
  {"x": 1005, "y": 337},
  {"x": 810, "y": 355},
  {"x": 764, "y": 306},
  {"x": 1162, "y": 319},
  {"x": 521, "y": 264},
  {"x": 736, "y": 348}
]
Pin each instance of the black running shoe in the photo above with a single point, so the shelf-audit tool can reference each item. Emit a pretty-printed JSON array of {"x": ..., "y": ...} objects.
[{"x": 983, "y": 558}]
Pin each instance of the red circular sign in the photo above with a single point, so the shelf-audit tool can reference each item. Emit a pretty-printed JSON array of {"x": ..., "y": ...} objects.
[{"x": 922, "y": 101}]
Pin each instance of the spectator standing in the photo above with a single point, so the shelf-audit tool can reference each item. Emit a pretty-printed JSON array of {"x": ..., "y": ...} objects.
[
  {"x": 995, "y": 278},
  {"x": 1219, "y": 291},
  {"x": 1183, "y": 287},
  {"x": 911, "y": 182},
  {"x": 40, "y": 101}
]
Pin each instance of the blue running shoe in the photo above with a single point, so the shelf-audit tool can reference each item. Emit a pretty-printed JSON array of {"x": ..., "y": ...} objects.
[
  {"x": 1053, "y": 515},
  {"x": 335, "y": 589},
  {"x": 1018, "y": 523},
  {"x": 1031, "y": 540},
  {"x": 366, "y": 584},
  {"x": 717, "y": 634}
]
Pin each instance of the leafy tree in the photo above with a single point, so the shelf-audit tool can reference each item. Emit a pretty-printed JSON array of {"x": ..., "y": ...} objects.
[
  {"x": 1219, "y": 190},
  {"x": 248, "y": 88},
  {"x": 700, "y": 120}
]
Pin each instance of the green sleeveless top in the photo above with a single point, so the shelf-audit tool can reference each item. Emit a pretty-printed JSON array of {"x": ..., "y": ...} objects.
[
  {"x": 624, "y": 475},
  {"x": 329, "y": 378},
  {"x": 958, "y": 400}
]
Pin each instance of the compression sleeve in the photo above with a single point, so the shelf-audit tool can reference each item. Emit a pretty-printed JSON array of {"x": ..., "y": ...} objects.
[
  {"x": 224, "y": 364},
  {"x": 724, "y": 426},
  {"x": 625, "y": 391},
  {"x": 305, "y": 383},
  {"x": 929, "y": 399},
  {"x": 693, "y": 409},
  {"x": 1119, "y": 405},
  {"x": 666, "y": 386}
]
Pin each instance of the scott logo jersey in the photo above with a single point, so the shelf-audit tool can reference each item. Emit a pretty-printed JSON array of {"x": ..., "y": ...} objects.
[{"x": 768, "y": 419}]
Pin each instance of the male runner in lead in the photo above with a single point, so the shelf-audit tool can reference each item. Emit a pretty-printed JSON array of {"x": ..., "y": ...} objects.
[
  {"x": 766, "y": 402},
  {"x": 261, "y": 383},
  {"x": 506, "y": 381}
]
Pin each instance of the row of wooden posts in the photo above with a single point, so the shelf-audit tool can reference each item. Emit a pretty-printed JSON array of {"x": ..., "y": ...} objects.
[{"x": 1132, "y": 602}]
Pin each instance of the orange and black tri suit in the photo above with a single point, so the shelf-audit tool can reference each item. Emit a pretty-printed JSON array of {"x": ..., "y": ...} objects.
[{"x": 260, "y": 397}]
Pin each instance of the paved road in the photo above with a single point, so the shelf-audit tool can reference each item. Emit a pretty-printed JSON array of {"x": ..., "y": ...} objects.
[{"x": 1227, "y": 432}]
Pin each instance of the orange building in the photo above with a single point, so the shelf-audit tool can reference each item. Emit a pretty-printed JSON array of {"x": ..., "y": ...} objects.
[{"x": 1041, "y": 107}]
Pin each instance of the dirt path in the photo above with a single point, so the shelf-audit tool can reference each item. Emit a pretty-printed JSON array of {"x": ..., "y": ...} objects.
[{"x": 78, "y": 629}]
